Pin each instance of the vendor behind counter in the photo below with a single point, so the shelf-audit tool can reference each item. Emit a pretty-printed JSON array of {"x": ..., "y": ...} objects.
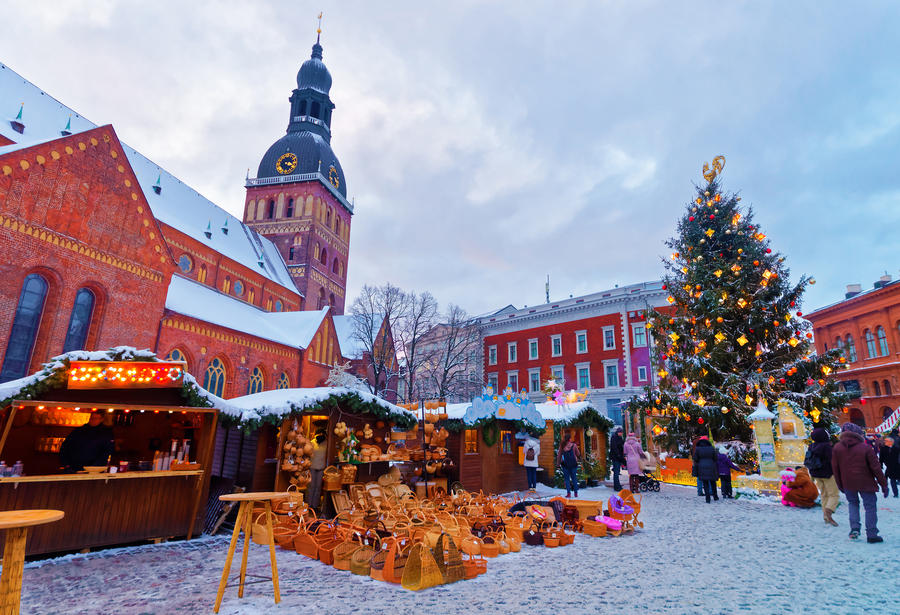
[{"x": 88, "y": 445}]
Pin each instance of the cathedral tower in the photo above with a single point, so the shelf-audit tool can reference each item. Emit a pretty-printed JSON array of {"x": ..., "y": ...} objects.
[{"x": 298, "y": 198}]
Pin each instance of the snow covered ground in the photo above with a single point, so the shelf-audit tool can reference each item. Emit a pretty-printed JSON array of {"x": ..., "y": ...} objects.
[{"x": 726, "y": 557}]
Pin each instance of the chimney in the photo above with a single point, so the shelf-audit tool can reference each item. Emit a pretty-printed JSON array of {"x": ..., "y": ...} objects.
[
  {"x": 883, "y": 281},
  {"x": 853, "y": 290}
]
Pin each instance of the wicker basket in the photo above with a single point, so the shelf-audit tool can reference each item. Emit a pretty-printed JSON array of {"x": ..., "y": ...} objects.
[
  {"x": 348, "y": 473},
  {"x": 448, "y": 559},
  {"x": 331, "y": 479},
  {"x": 421, "y": 570}
]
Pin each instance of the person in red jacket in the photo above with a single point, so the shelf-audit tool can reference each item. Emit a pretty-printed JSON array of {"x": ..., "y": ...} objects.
[{"x": 858, "y": 475}]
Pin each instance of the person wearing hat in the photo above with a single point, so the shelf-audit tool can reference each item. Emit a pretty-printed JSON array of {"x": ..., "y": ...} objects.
[
  {"x": 890, "y": 459},
  {"x": 707, "y": 467},
  {"x": 617, "y": 456},
  {"x": 858, "y": 475},
  {"x": 818, "y": 462},
  {"x": 725, "y": 465}
]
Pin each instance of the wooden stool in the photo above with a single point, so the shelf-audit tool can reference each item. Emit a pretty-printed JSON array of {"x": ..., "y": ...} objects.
[
  {"x": 16, "y": 524},
  {"x": 245, "y": 520}
]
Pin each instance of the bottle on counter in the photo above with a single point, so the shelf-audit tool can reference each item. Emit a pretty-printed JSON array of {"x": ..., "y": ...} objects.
[
  {"x": 18, "y": 469},
  {"x": 3, "y": 469}
]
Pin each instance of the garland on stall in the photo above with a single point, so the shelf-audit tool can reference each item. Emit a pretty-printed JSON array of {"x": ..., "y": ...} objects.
[
  {"x": 457, "y": 426},
  {"x": 589, "y": 417}
]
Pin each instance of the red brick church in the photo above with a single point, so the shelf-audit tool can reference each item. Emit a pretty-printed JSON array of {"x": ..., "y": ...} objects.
[{"x": 103, "y": 247}]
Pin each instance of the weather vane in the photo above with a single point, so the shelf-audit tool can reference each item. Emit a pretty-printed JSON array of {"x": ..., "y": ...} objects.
[
  {"x": 718, "y": 164},
  {"x": 319, "y": 29}
]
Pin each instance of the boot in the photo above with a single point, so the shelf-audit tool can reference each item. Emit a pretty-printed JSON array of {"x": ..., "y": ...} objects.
[{"x": 828, "y": 518}]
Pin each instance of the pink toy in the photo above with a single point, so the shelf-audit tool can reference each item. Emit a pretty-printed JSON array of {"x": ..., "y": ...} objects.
[
  {"x": 613, "y": 524},
  {"x": 787, "y": 476}
]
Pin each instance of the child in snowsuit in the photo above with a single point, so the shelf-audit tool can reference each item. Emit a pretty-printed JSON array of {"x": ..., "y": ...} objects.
[{"x": 725, "y": 466}]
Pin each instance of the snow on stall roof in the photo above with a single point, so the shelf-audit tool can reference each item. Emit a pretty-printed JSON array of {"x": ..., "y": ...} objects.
[
  {"x": 550, "y": 411},
  {"x": 282, "y": 402},
  {"x": 196, "y": 300},
  {"x": 351, "y": 346},
  {"x": 177, "y": 205}
]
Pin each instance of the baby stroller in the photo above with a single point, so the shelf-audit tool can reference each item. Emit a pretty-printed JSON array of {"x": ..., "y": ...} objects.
[{"x": 647, "y": 482}]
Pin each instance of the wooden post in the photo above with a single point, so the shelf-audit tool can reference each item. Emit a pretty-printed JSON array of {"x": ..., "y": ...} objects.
[
  {"x": 269, "y": 516},
  {"x": 13, "y": 565},
  {"x": 248, "y": 532},
  {"x": 206, "y": 465},
  {"x": 9, "y": 422},
  {"x": 242, "y": 508}
]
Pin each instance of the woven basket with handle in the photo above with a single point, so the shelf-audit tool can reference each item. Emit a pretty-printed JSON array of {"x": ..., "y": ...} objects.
[
  {"x": 421, "y": 570},
  {"x": 331, "y": 479},
  {"x": 448, "y": 559}
]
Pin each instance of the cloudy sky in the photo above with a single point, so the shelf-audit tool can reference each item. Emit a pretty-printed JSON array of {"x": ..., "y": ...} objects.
[{"x": 488, "y": 144}]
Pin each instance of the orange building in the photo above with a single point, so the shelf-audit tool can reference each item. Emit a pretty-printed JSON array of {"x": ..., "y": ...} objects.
[{"x": 866, "y": 324}]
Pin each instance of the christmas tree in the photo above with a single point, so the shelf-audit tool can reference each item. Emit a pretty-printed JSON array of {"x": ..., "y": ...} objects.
[{"x": 734, "y": 333}]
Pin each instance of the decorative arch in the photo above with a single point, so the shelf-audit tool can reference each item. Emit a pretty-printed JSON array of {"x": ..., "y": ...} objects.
[
  {"x": 257, "y": 381},
  {"x": 334, "y": 265},
  {"x": 856, "y": 416},
  {"x": 284, "y": 381},
  {"x": 215, "y": 376},
  {"x": 25, "y": 326},
  {"x": 886, "y": 412}
]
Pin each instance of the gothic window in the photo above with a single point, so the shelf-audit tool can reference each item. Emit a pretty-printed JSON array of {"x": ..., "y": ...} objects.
[
  {"x": 291, "y": 254},
  {"x": 290, "y": 209},
  {"x": 271, "y": 211},
  {"x": 870, "y": 344},
  {"x": 256, "y": 382},
  {"x": 278, "y": 306},
  {"x": 24, "y": 328},
  {"x": 334, "y": 266},
  {"x": 328, "y": 218},
  {"x": 316, "y": 251},
  {"x": 176, "y": 354},
  {"x": 214, "y": 378},
  {"x": 315, "y": 109},
  {"x": 251, "y": 295},
  {"x": 886, "y": 387},
  {"x": 882, "y": 340},
  {"x": 877, "y": 388},
  {"x": 79, "y": 321},
  {"x": 321, "y": 303},
  {"x": 856, "y": 416},
  {"x": 283, "y": 381},
  {"x": 269, "y": 304},
  {"x": 201, "y": 275},
  {"x": 302, "y": 107},
  {"x": 331, "y": 299},
  {"x": 185, "y": 263},
  {"x": 323, "y": 256},
  {"x": 226, "y": 285}
]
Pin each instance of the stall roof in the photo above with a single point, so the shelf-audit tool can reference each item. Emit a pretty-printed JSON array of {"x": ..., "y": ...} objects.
[
  {"x": 30, "y": 387},
  {"x": 282, "y": 402},
  {"x": 549, "y": 411}
]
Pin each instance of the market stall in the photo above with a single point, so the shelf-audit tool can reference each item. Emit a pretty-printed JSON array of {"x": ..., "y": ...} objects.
[
  {"x": 588, "y": 428},
  {"x": 153, "y": 426}
]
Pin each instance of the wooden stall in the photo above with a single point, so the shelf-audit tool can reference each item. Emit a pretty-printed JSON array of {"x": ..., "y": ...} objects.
[
  {"x": 156, "y": 414},
  {"x": 494, "y": 467},
  {"x": 589, "y": 430}
]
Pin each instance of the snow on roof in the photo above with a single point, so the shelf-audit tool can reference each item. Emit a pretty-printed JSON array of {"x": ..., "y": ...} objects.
[
  {"x": 177, "y": 205},
  {"x": 761, "y": 413},
  {"x": 550, "y": 411},
  {"x": 282, "y": 402},
  {"x": 351, "y": 346},
  {"x": 190, "y": 298}
]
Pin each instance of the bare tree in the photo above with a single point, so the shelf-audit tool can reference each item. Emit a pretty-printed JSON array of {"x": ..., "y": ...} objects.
[
  {"x": 450, "y": 371},
  {"x": 375, "y": 311},
  {"x": 417, "y": 320}
]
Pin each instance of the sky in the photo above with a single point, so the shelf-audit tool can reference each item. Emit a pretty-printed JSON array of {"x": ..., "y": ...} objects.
[{"x": 489, "y": 144}]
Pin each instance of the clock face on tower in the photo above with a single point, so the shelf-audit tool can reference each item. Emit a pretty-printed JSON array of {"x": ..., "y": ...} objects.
[
  {"x": 286, "y": 163},
  {"x": 333, "y": 177}
]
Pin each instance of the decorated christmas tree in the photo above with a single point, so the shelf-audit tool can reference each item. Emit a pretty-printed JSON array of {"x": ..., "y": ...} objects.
[{"x": 734, "y": 334}]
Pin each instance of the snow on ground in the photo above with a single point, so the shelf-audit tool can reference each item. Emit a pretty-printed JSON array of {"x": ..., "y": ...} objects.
[{"x": 726, "y": 557}]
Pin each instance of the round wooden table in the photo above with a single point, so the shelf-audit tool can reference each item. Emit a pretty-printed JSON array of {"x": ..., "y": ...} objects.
[
  {"x": 245, "y": 521},
  {"x": 16, "y": 524}
]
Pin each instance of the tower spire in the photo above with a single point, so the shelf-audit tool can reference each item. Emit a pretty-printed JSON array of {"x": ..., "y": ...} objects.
[{"x": 319, "y": 29}]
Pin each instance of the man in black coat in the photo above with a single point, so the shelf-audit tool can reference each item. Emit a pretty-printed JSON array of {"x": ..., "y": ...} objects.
[
  {"x": 88, "y": 445},
  {"x": 617, "y": 456}
]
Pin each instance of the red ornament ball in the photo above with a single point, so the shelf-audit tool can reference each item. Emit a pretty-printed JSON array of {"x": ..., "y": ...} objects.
[
  {"x": 793, "y": 303},
  {"x": 799, "y": 313},
  {"x": 781, "y": 380},
  {"x": 664, "y": 287},
  {"x": 700, "y": 420},
  {"x": 712, "y": 216},
  {"x": 691, "y": 218},
  {"x": 810, "y": 382},
  {"x": 768, "y": 250},
  {"x": 862, "y": 402}
]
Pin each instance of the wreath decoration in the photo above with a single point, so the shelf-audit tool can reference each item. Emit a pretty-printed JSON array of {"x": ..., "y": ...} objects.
[{"x": 490, "y": 432}]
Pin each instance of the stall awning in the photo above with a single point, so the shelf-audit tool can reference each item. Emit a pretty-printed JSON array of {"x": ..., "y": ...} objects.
[{"x": 890, "y": 422}]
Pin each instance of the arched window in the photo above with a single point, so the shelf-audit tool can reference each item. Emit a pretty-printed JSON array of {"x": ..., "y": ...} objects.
[
  {"x": 323, "y": 256},
  {"x": 201, "y": 274},
  {"x": 278, "y": 305},
  {"x": 283, "y": 381},
  {"x": 291, "y": 253},
  {"x": 79, "y": 321},
  {"x": 886, "y": 387},
  {"x": 877, "y": 388},
  {"x": 321, "y": 303},
  {"x": 214, "y": 378},
  {"x": 856, "y": 416},
  {"x": 176, "y": 354},
  {"x": 289, "y": 212},
  {"x": 334, "y": 266},
  {"x": 882, "y": 340},
  {"x": 328, "y": 218},
  {"x": 226, "y": 285},
  {"x": 851, "y": 349},
  {"x": 331, "y": 299},
  {"x": 271, "y": 211},
  {"x": 256, "y": 382},
  {"x": 870, "y": 344},
  {"x": 886, "y": 412},
  {"x": 315, "y": 109},
  {"x": 302, "y": 107},
  {"x": 341, "y": 269},
  {"x": 24, "y": 328}
]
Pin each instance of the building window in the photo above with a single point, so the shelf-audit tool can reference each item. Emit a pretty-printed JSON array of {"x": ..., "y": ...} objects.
[
  {"x": 506, "y": 441},
  {"x": 614, "y": 411},
  {"x": 289, "y": 212},
  {"x": 238, "y": 288},
  {"x": 512, "y": 380},
  {"x": 534, "y": 380},
  {"x": 291, "y": 253},
  {"x": 201, "y": 275},
  {"x": 185, "y": 263},
  {"x": 870, "y": 344},
  {"x": 269, "y": 304},
  {"x": 270, "y": 213},
  {"x": 851, "y": 349},
  {"x": 642, "y": 373},
  {"x": 283, "y": 381},
  {"x": 176, "y": 354},
  {"x": 882, "y": 341},
  {"x": 24, "y": 328},
  {"x": 323, "y": 256},
  {"x": 334, "y": 266},
  {"x": 533, "y": 349},
  {"x": 887, "y": 388},
  {"x": 557, "y": 372},
  {"x": 609, "y": 338},
  {"x": 79, "y": 321},
  {"x": 226, "y": 285},
  {"x": 556, "y": 345},
  {"x": 492, "y": 381},
  {"x": 321, "y": 301},
  {"x": 584, "y": 376},
  {"x": 492, "y": 355},
  {"x": 511, "y": 352},
  {"x": 581, "y": 342},
  {"x": 877, "y": 388},
  {"x": 278, "y": 305},
  {"x": 214, "y": 378},
  {"x": 611, "y": 370},
  {"x": 640, "y": 335},
  {"x": 471, "y": 441},
  {"x": 256, "y": 382}
]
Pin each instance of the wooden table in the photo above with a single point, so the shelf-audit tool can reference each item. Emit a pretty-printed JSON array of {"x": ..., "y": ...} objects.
[
  {"x": 16, "y": 524},
  {"x": 245, "y": 520}
]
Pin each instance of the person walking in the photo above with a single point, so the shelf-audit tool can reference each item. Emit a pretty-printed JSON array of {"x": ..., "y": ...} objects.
[
  {"x": 858, "y": 475},
  {"x": 694, "y": 466},
  {"x": 617, "y": 457},
  {"x": 633, "y": 455},
  {"x": 532, "y": 450},
  {"x": 724, "y": 465},
  {"x": 890, "y": 459},
  {"x": 568, "y": 458},
  {"x": 707, "y": 468},
  {"x": 818, "y": 462}
]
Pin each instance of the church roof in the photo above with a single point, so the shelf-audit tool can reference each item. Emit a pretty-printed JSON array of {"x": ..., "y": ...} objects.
[
  {"x": 177, "y": 204},
  {"x": 313, "y": 74},
  {"x": 314, "y": 155},
  {"x": 351, "y": 346}
]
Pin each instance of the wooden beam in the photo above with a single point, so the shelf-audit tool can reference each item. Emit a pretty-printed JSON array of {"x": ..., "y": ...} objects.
[
  {"x": 9, "y": 422},
  {"x": 88, "y": 406}
]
